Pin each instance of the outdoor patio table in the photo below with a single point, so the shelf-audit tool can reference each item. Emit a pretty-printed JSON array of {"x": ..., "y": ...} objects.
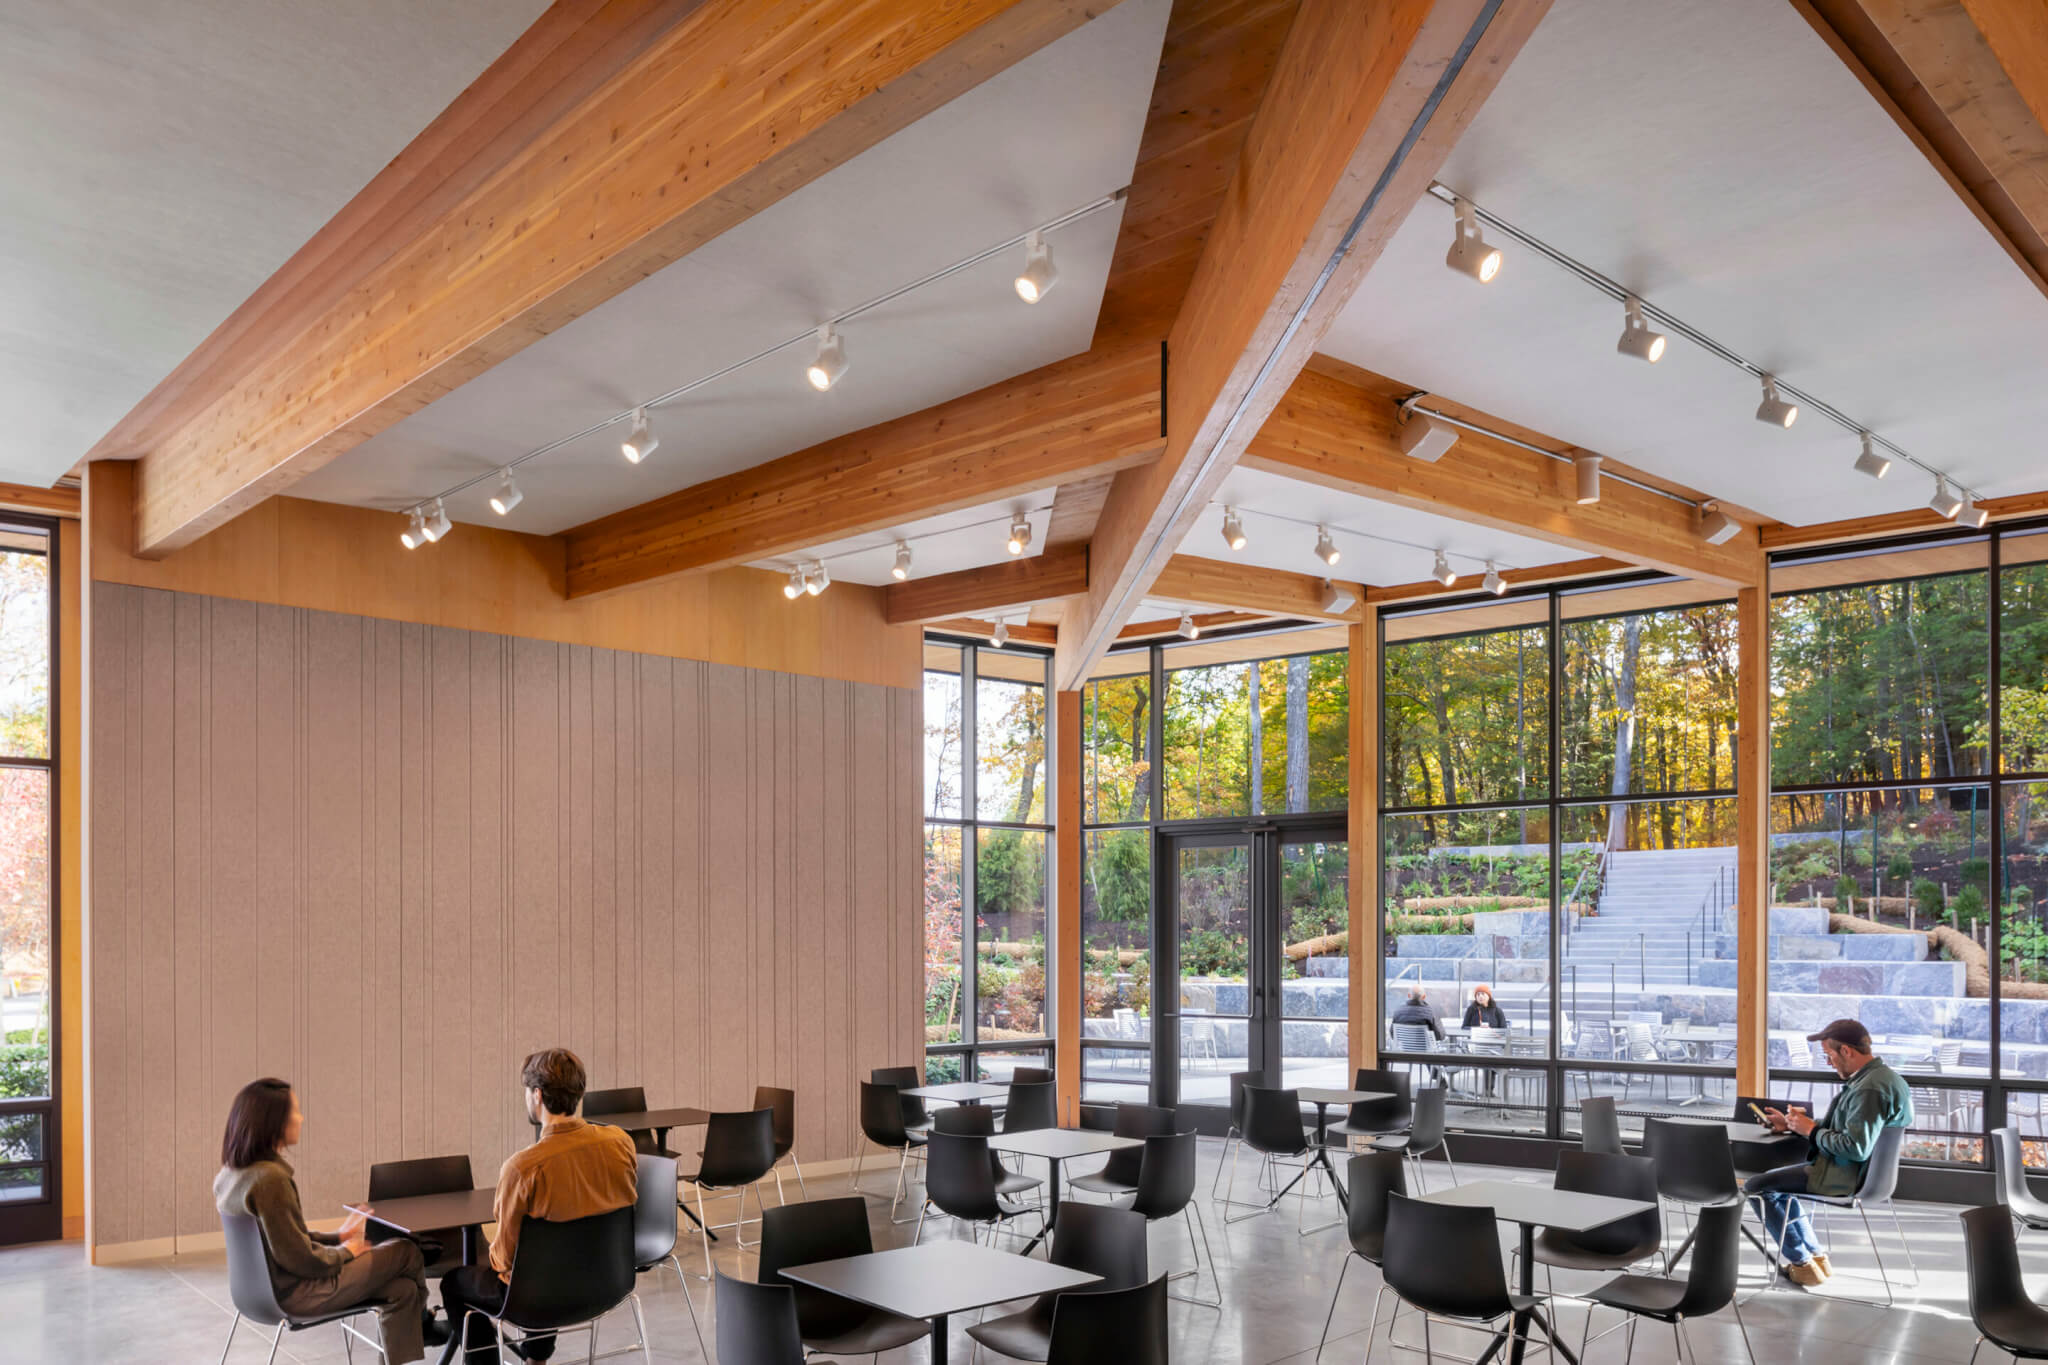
[
  {"x": 1058, "y": 1145},
  {"x": 936, "y": 1280},
  {"x": 414, "y": 1214}
]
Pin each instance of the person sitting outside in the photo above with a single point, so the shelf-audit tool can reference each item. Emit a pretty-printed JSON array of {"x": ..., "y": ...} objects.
[
  {"x": 1872, "y": 1098},
  {"x": 1417, "y": 1010},
  {"x": 1483, "y": 1012},
  {"x": 576, "y": 1170}
]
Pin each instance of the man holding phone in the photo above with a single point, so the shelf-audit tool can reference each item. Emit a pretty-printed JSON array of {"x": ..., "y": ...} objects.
[{"x": 1872, "y": 1098}]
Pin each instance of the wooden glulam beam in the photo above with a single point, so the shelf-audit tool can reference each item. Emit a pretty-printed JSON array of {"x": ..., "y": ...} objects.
[
  {"x": 1363, "y": 105},
  {"x": 1088, "y": 413},
  {"x": 1247, "y": 587},
  {"x": 1781, "y": 537},
  {"x": 48, "y": 502},
  {"x": 726, "y": 110},
  {"x": 1205, "y": 621},
  {"x": 1021, "y": 633},
  {"x": 1338, "y": 435},
  {"x": 1057, "y": 572}
]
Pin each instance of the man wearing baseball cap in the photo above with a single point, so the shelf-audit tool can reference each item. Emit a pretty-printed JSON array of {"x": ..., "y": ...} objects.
[{"x": 1872, "y": 1098}]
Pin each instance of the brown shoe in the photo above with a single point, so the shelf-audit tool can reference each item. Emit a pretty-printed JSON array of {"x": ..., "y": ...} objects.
[
  {"x": 1806, "y": 1273},
  {"x": 1820, "y": 1258}
]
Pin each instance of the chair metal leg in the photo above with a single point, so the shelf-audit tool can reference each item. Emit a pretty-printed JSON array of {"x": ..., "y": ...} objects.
[
  {"x": 1974, "y": 1349},
  {"x": 918, "y": 1236},
  {"x": 780, "y": 1198},
  {"x": 683, "y": 1282},
  {"x": 1743, "y": 1327},
  {"x": 229, "y": 1344},
  {"x": 1191, "y": 1213},
  {"x": 1876, "y": 1255},
  {"x": 1372, "y": 1328},
  {"x": 1331, "y": 1316},
  {"x": 1901, "y": 1231},
  {"x": 275, "y": 1338},
  {"x": 704, "y": 1231},
  {"x": 798, "y": 1167},
  {"x": 640, "y": 1326}
]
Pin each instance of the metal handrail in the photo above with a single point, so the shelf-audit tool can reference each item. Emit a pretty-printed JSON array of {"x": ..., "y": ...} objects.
[{"x": 1598, "y": 865}]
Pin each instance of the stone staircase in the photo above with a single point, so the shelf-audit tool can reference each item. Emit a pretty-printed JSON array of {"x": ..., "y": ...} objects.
[{"x": 1649, "y": 917}]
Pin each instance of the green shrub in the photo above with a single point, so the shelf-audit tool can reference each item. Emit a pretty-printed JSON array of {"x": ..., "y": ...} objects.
[
  {"x": 1967, "y": 908},
  {"x": 1976, "y": 872},
  {"x": 1900, "y": 868},
  {"x": 24, "y": 1070},
  {"x": 1845, "y": 890},
  {"x": 1927, "y": 900}
]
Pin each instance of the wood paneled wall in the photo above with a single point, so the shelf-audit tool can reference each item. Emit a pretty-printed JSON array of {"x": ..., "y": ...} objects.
[{"x": 384, "y": 860}]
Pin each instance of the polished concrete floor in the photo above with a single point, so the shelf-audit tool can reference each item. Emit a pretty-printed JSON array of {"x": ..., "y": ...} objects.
[{"x": 1276, "y": 1289}]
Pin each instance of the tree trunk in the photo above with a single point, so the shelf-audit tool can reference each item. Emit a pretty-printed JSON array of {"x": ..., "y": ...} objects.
[
  {"x": 1141, "y": 748},
  {"x": 1028, "y": 786},
  {"x": 1297, "y": 733},
  {"x": 1258, "y": 748},
  {"x": 1624, "y": 728}
]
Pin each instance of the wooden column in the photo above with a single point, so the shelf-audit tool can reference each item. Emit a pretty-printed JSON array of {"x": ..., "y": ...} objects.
[
  {"x": 1364, "y": 764},
  {"x": 1752, "y": 839},
  {"x": 1066, "y": 938}
]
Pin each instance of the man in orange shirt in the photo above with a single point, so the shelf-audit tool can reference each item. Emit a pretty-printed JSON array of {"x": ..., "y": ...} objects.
[{"x": 576, "y": 1170}]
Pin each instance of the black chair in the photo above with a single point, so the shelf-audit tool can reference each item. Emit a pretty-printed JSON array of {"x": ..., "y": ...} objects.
[
  {"x": 905, "y": 1078},
  {"x": 1709, "y": 1286},
  {"x": 567, "y": 1275},
  {"x": 1372, "y": 1176},
  {"x": 1233, "y": 1138},
  {"x": 959, "y": 1182},
  {"x": 1166, "y": 1189},
  {"x": 1694, "y": 1166},
  {"x": 1093, "y": 1238},
  {"x": 2004, "y": 1313},
  {"x": 978, "y": 1120},
  {"x": 1376, "y": 1118},
  {"x": 423, "y": 1175},
  {"x": 1425, "y": 1134},
  {"x": 2009, "y": 1168},
  {"x": 1617, "y": 1245},
  {"x": 1444, "y": 1259},
  {"x": 881, "y": 1122},
  {"x": 827, "y": 1230},
  {"x": 757, "y": 1323},
  {"x": 1031, "y": 1075},
  {"x": 625, "y": 1099},
  {"x": 654, "y": 1227},
  {"x": 255, "y": 1294},
  {"x": 1273, "y": 1129},
  {"x": 1119, "y": 1174},
  {"x": 1127, "y": 1326},
  {"x": 1600, "y": 1126},
  {"x": 739, "y": 1149},
  {"x": 1880, "y": 1181},
  {"x": 783, "y": 1104},
  {"x": 1032, "y": 1105}
]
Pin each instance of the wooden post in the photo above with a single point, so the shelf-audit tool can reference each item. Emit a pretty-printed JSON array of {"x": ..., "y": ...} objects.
[
  {"x": 1752, "y": 840},
  {"x": 1066, "y": 938},
  {"x": 1364, "y": 808}
]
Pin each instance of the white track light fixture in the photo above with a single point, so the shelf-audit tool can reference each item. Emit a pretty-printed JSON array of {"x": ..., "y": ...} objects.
[
  {"x": 1716, "y": 526},
  {"x": 1972, "y": 515},
  {"x": 1336, "y": 601},
  {"x": 1586, "y": 468},
  {"x": 900, "y": 571},
  {"x": 794, "y": 588},
  {"x": 641, "y": 440},
  {"x": 1469, "y": 253},
  {"x": 1422, "y": 437},
  {"x": 415, "y": 533},
  {"x": 1233, "y": 529},
  {"x": 437, "y": 523},
  {"x": 1040, "y": 274},
  {"x": 1188, "y": 629},
  {"x": 830, "y": 361},
  {"x": 1944, "y": 502},
  {"x": 508, "y": 495},
  {"x": 1326, "y": 548},
  {"x": 1442, "y": 571},
  {"x": 1020, "y": 535},
  {"x": 1493, "y": 581},
  {"x": 818, "y": 579},
  {"x": 1636, "y": 337},
  {"x": 1775, "y": 410},
  {"x": 1872, "y": 463},
  {"x": 1001, "y": 636}
]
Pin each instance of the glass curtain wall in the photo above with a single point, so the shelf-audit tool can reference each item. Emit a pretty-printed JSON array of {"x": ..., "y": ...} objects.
[{"x": 988, "y": 845}]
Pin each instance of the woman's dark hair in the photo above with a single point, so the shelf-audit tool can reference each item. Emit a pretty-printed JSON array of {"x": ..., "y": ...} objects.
[
  {"x": 256, "y": 1122},
  {"x": 558, "y": 1074}
]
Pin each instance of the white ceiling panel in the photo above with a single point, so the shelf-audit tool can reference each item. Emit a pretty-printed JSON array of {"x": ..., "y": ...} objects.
[
  {"x": 1058, "y": 130},
  {"x": 1722, "y": 162}
]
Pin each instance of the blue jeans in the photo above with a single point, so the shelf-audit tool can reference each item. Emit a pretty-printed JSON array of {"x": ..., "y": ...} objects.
[{"x": 1784, "y": 1219}]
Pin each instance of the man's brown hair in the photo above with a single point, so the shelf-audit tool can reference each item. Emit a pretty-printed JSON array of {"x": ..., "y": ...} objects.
[{"x": 558, "y": 1074}]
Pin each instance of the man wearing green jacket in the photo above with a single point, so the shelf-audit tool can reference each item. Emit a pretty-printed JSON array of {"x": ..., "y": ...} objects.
[{"x": 1872, "y": 1099}]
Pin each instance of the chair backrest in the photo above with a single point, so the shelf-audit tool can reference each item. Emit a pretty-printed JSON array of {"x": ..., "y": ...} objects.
[
  {"x": 1716, "y": 1260},
  {"x": 1619, "y": 1177},
  {"x": 958, "y": 1179},
  {"x": 1412, "y": 1037},
  {"x": 2009, "y": 1173},
  {"x": 1694, "y": 1162},
  {"x": 739, "y": 1147},
  {"x": 625, "y": 1099},
  {"x": 568, "y": 1272},
  {"x": 1426, "y": 1126},
  {"x": 1881, "y": 1172},
  {"x": 757, "y": 1323},
  {"x": 1642, "y": 1041},
  {"x": 973, "y": 1120},
  {"x": 1445, "y": 1258},
  {"x": 1991, "y": 1254},
  {"x": 782, "y": 1104},
  {"x": 1166, "y": 1174},
  {"x": 1389, "y": 1113},
  {"x": 1032, "y": 1105},
  {"x": 1124, "y": 1325},
  {"x": 1599, "y": 1125},
  {"x": 422, "y": 1175},
  {"x": 1135, "y": 1121},
  {"x": 249, "y": 1282},
  {"x": 1030, "y": 1075},
  {"x": 1372, "y": 1176},
  {"x": 881, "y": 1114},
  {"x": 904, "y": 1078},
  {"x": 816, "y": 1230},
  {"x": 1238, "y": 1081},
  {"x": 1100, "y": 1239},
  {"x": 654, "y": 1210},
  {"x": 1272, "y": 1121}
]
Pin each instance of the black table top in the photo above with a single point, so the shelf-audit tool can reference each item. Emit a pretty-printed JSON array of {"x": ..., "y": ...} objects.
[
  {"x": 641, "y": 1119},
  {"x": 938, "y": 1278},
  {"x": 1540, "y": 1205},
  {"x": 1744, "y": 1130},
  {"x": 428, "y": 1212}
]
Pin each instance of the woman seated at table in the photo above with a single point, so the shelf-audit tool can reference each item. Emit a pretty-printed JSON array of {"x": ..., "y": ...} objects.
[
  {"x": 1483, "y": 1012},
  {"x": 315, "y": 1272}
]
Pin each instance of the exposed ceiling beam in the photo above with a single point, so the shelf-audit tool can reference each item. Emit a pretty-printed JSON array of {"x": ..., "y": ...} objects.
[
  {"x": 49, "y": 502},
  {"x": 725, "y": 108},
  {"x": 1361, "y": 109},
  {"x": 1340, "y": 435},
  {"x": 1967, "y": 80},
  {"x": 1205, "y": 621},
  {"x": 1057, "y": 572},
  {"x": 1021, "y": 633},
  {"x": 1092, "y": 412},
  {"x": 1895, "y": 523},
  {"x": 1270, "y": 592},
  {"x": 1597, "y": 567}
]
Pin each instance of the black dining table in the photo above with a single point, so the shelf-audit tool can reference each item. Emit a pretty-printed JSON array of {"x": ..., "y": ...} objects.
[
  {"x": 1058, "y": 1145},
  {"x": 415, "y": 1214},
  {"x": 1322, "y": 1099}
]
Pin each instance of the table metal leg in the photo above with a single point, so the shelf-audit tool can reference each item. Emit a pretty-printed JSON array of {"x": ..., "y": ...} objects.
[
  {"x": 939, "y": 1340},
  {"x": 472, "y": 1245},
  {"x": 1525, "y": 1283},
  {"x": 1052, "y": 1214}
]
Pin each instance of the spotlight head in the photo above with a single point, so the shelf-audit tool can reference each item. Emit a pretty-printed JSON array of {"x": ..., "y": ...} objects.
[
  {"x": 901, "y": 569},
  {"x": 1040, "y": 274},
  {"x": 1233, "y": 529},
  {"x": 1326, "y": 548},
  {"x": 1188, "y": 629},
  {"x": 830, "y": 361},
  {"x": 508, "y": 495},
  {"x": 1493, "y": 581},
  {"x": 1775, "y": 410},
  {"x": 818, "y": 579},
  {"x": 1716, "y": 526},
  {"x": 437, "y": 522},
  {"x": 1972, "y": 515},
  {"x": 1001, "y": 636},
  {"x": 1442, "y": 571},
  {"x": 415, "y": 533},
  {"x": 1586, "y": 468},
  {"x": 1636, "y": 337},
  {"x": 1469, "y": 253},
  {"x": 794, "y": 588},
  {"x": 641, "y": 440},
  {"x": 1336, "y": 601},
  {"x": 1872, "y": 463},
  {"x": 1422, "y": 437},
  {"x": 1944, "y": 502},
  {"x": 1020, "y": 535}
]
